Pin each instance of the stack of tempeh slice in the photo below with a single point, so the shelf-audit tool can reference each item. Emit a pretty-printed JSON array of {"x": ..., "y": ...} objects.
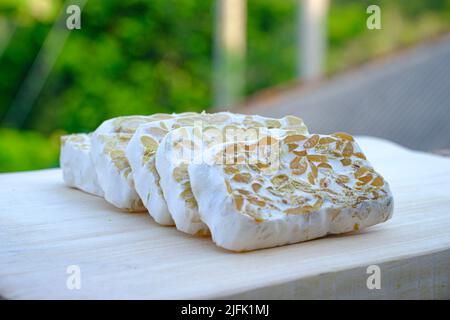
[{"x": 249, "y": 181}]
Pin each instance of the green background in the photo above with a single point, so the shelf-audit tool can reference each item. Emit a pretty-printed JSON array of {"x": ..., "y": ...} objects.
[{"x": 141, "y": 57}]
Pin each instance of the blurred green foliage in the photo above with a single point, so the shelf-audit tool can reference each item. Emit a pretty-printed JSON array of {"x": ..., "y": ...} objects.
[
  {"x": 142, "y": 56},
  {"x": 27, "y": 150}
]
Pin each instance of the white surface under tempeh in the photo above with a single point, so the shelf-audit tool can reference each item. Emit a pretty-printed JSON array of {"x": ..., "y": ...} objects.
[{"x": 112, "y": 248}]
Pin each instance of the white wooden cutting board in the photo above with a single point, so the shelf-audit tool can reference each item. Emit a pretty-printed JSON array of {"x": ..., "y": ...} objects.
[{"x": 46, "y": 227}]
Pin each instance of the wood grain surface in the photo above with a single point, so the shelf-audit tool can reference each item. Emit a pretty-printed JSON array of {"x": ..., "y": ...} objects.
[{"x": 46, "y": 227}]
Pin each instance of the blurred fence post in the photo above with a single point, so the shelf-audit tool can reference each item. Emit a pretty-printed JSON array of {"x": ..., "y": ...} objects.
[
  {"x": 311, "y": 41},
  {"x": 229, "y": 52}
]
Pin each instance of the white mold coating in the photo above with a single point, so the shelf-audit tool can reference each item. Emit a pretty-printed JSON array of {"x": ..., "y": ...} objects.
[
  {"x": 109, "y": 141},
  {"x": 140, "y": 153},
  {"x": 172, "y": 169},
  {"x": 324, "y": 185},
  {"x": 76, "y": 163}
]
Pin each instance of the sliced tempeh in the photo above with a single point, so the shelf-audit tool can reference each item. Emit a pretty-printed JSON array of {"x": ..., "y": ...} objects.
[
  {"x": 323, "y": 185},
  {"x": 109, "y": 141},
  {"x": 76, "y": 163},
  {"x": 171, "y": 163},
  {"x": 140, "y": 153}
]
